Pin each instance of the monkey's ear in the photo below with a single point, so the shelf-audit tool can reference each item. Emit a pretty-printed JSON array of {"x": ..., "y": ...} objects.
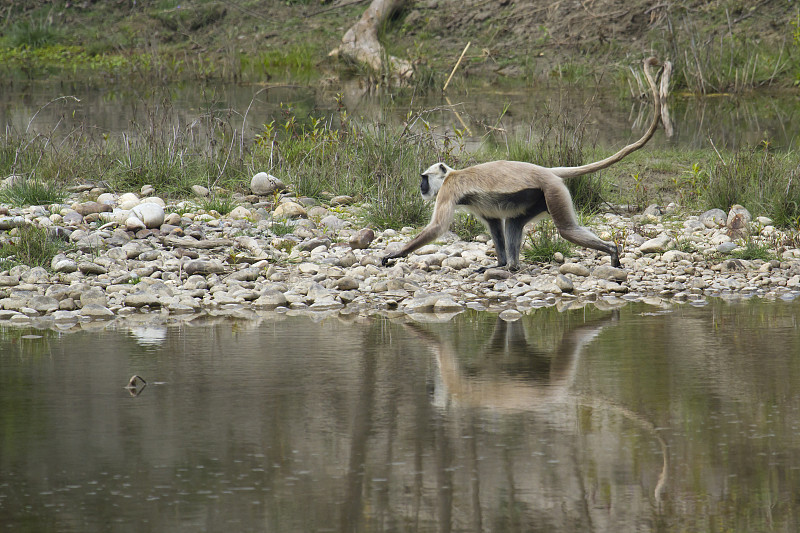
[{"x": 442, "y": 168}]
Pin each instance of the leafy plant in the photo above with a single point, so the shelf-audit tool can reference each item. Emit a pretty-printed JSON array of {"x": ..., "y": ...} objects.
[{"x": 691, "y": 184}]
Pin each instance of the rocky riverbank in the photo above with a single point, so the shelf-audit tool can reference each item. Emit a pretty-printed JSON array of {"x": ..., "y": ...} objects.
[{"x": 133, "y": 255}]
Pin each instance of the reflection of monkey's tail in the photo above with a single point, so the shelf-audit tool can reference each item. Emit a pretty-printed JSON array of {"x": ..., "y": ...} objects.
[{"x": 641, "y": 421}]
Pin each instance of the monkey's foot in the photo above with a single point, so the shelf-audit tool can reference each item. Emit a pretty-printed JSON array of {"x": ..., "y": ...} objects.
[
  {"x": 615, "y": 259},
  {"x": 481, "y": 270}
]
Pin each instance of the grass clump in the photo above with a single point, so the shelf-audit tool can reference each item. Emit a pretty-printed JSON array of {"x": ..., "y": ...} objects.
[
  {"x": 544, "y": 242},
  {"x": 467, "y": 227},
  {"x": 280, "y": 229},
  {"x": 762, "y": 181},
  {"x": 22, "y": 192},
  {"x": 32, "y": 246},
  {"x": 221, "y": 204},
  {"x": 753, "y": 250},
  {"x": 164, "y": 150},
  {"x": 32, "y": 33}
]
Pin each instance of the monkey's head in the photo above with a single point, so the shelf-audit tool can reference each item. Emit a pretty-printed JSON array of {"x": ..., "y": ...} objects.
[{"x": 432, "y": 180}]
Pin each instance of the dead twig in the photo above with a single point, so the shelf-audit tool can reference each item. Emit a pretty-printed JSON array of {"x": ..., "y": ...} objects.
[{"x": 456, "y": 67}]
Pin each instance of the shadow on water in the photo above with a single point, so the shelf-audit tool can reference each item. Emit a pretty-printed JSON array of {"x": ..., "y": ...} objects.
[{"x": 637, "y": 419}]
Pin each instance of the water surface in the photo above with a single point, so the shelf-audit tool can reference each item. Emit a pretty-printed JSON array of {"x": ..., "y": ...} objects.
[
  {"x": 635, "y": 419},
  {"x": 612, "y": 119}
]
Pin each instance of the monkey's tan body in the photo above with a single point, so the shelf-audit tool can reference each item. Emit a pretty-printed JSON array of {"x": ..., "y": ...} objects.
[{"x": 505, "y": 195}]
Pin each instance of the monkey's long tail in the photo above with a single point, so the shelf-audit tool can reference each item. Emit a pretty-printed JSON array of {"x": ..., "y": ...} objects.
[{"x": 572, "y": 172}]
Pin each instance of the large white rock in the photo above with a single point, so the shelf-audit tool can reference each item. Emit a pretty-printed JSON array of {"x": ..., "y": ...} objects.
[
  {"x": 128, "y": 201},
  {"x": 655, "y": 245},
  {"x": 107, "y": 198},
  {"x": 199, "y": 190},
  {"x": 264, "y": 184},
  {"x": 150, "y": 214},
  {"x": 153, "y": 200},
  {"x": 289, "y": 210}
]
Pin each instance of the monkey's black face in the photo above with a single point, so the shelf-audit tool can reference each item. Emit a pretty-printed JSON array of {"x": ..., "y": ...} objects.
[
  {"x": 424, "y": 186},
  {"x": 432, "y": 180}
]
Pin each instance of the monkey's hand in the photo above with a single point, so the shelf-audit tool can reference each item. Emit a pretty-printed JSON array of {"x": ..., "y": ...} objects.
[{"x": 387, "y": 258}]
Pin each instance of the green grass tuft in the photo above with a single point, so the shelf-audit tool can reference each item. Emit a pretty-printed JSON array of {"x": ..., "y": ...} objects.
[
  {"x": 467, "y": 227},
  {"x": 24, "y": 192},
  {"x": 764, "y": 182},
  {"x": 544, "y": 242},
  {"x": 753, "y": 250},
  {"x": 221, "y": 204},
  {"x": 32, "y": 246},
  {"x": 33, "y": 33}
]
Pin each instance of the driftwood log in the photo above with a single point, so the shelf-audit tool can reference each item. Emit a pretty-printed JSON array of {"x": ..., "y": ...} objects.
[{"x": 360, "y": 44}]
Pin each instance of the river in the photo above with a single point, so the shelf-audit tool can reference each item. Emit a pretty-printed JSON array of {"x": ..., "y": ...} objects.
[
  {"x": 640, "y": 418},
  {"x": 611, "y": 118}
]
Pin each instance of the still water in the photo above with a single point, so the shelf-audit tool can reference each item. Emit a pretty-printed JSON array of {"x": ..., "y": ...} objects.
[
  {"x": 634, "y": 419},
  {"x": 611, "y": 116}
]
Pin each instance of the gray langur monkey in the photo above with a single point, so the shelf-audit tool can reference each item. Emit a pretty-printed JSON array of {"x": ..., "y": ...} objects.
[{"x": 506, "y": 195}]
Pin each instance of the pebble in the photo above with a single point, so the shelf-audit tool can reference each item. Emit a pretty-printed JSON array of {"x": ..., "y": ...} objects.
[{"x": 190, "y": 263}]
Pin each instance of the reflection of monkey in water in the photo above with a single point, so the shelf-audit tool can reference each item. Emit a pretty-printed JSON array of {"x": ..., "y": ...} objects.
[
  {"x": 528, "y": 379},
  {"x": 506, "y": 195}
]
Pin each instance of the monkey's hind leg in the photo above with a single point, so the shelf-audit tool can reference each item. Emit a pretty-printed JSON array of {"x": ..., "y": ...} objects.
[
  {"x": 584, "y": 237},
  {"x": 559, "y": 203},
  {"x": 496, "y": 230},
  {"x": 514, "y": 228}
]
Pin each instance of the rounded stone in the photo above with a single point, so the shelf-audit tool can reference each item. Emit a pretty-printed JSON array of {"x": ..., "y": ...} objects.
[
  {"x": 263, "y": 184},
  {"x": 199, "y": 190},
  {"x": 90, "y": 268},
  {"x": 94, "y": 296},
  {"x": 150, "y": 214},
  {"x": 347, "y": 283},
  {"x": 142, "y": 299},
  {"x": 456, "y": 263},
  {"x": 362, "y": 239},
  {"x": 564, "y": 283},
  {"x": 271, "y": 299},
  {"x": 575, "y": 269},
  {"x": 289, "y": 210},
  {"x": 88, "y": 208},
  {"x": 128, "y": 201},
  {"x": 240, "y": 213},
  {"x": 97, "y": 312},
  {"x": 202, "y": 266},
  {"x": 64, "y": 265}
]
